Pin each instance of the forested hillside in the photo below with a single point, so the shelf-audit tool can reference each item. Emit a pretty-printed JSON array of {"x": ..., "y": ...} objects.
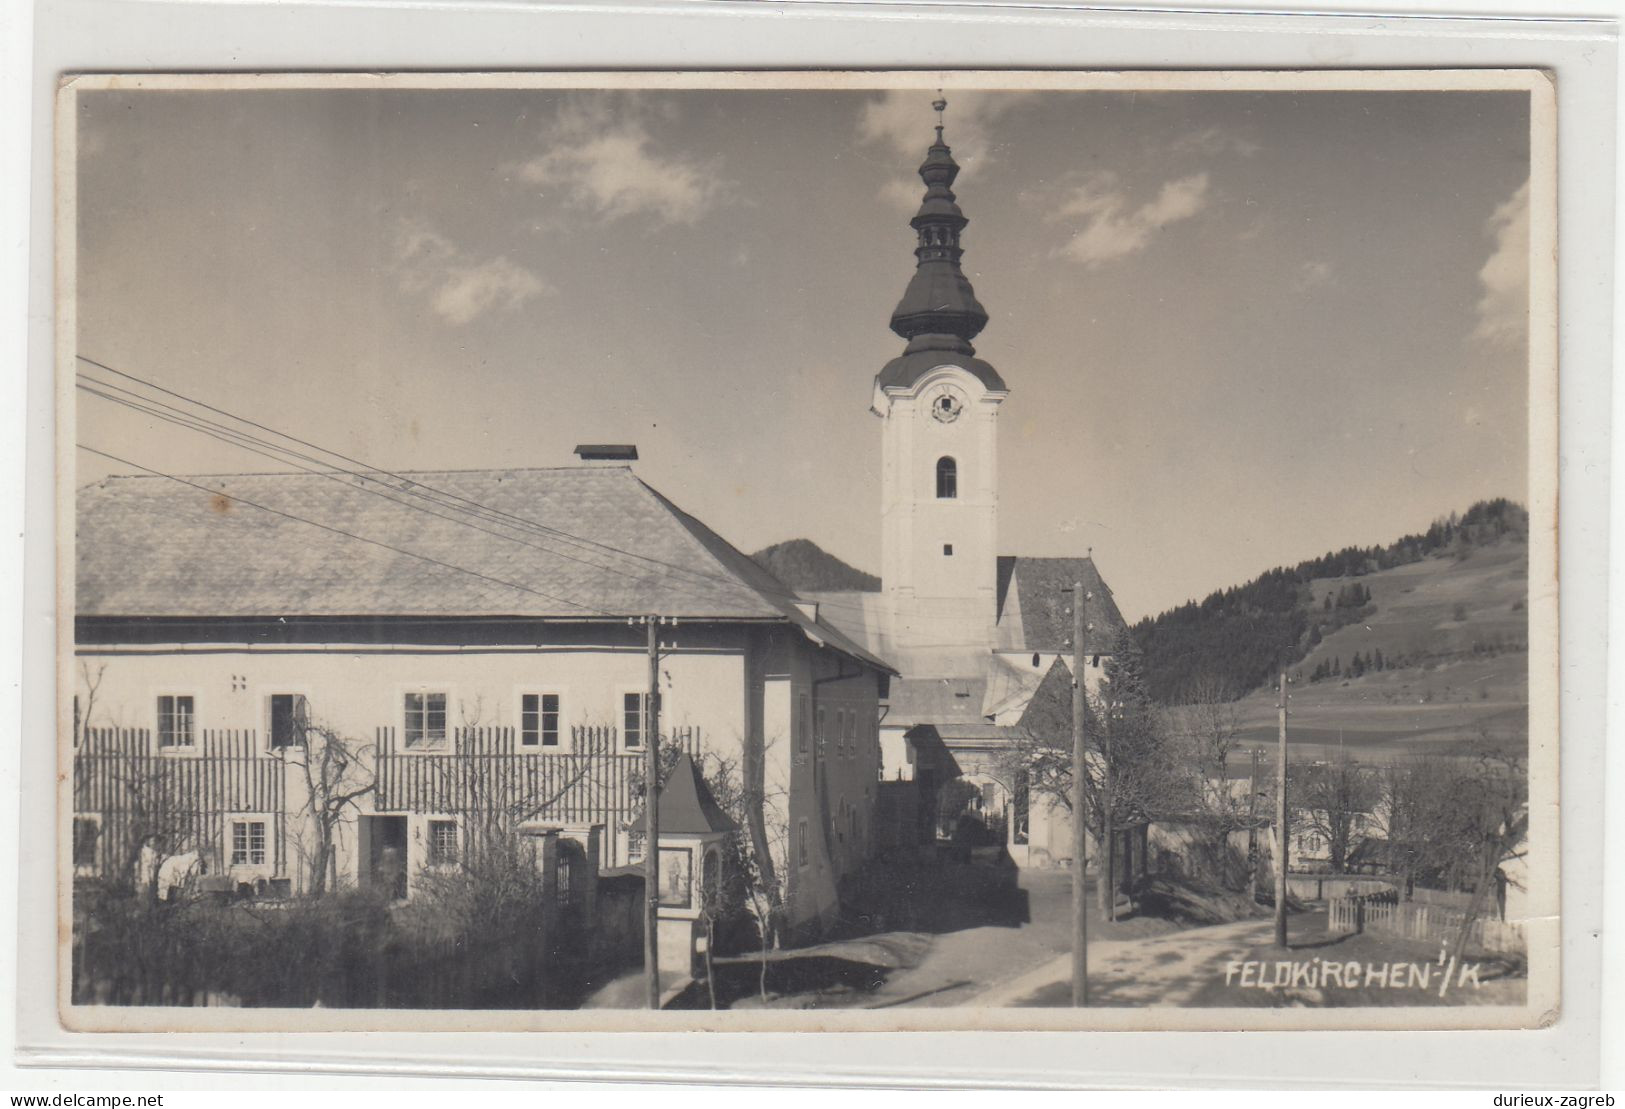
[
  {"x": 1234, "y": 640},
  {"x": 804, "y": 565}
]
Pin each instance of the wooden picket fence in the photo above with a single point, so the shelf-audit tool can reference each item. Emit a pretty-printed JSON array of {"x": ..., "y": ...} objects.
[
  {"x": 178, "y": 794},
  {"x": 1413, "y": 921},
  {"x": 132, "y": 786},
  {"x": 486, "y": 770}
]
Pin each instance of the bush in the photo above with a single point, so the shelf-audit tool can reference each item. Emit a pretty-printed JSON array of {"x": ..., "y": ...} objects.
[
  {"x": 472, "y": 937},
  {"x": 133, "y": 950}
]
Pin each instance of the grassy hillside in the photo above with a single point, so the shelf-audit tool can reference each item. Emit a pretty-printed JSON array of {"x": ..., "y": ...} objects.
[
  {"x": 804, "y": 565},
  {"x": 1237, "y": 639},
  {"x": 1452, "y": 630}
]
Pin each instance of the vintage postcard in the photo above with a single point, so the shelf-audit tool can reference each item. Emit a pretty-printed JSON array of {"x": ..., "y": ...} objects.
[{"x": 830, "y": 551}]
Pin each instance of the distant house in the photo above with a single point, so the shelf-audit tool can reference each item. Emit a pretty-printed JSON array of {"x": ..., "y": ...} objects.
[{"x": 472, "y": 639}]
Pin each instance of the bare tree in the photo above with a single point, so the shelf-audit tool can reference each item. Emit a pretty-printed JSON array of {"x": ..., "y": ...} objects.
[
  {"x": 1492, "y": 803},
  {"x": 149, "y": 811},
  {"x": 1337, "y": 799},
  {"x": 1128, "y": 744},
  {"x": 1415, "y": 795},
  {"x": 338, "y": 772},
  {"x": 1204, "y": 735},
  {"x": 498, "y": 798},
  {"x": 82, "y": 719},
  {"x": 750, "y": 879}
]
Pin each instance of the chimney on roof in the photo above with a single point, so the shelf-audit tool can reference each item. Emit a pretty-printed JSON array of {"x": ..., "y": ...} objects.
[{"x": 607, "y": 452}]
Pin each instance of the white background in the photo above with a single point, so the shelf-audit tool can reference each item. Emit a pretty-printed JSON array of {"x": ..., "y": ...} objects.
[{"x": 123, "y": 35}]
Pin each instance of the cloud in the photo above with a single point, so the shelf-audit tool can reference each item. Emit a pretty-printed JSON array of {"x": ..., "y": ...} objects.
[
  {"x": 601, "y": 156},
  {"x": 1211, "y": 141},
  {"x": 903, "y": 119},
  {"x": 1503, "y": 309},
  {"x": 1111, "y": 226},
  {"x": 459, "y": 288}
]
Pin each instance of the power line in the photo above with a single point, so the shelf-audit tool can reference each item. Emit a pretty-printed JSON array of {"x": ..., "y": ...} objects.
[
  {"x": 368, "y": 469},
  {"x": 367, "y": 472},
  {"x": 424, "y": 491},
  {"x": 340, "y": 531},
  {"x": 232, "y": 437},
  {"x": 227, "y": 435}
]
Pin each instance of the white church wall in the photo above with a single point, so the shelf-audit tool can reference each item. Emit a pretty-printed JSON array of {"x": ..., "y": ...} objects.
[{"x": 939, "y": 555}]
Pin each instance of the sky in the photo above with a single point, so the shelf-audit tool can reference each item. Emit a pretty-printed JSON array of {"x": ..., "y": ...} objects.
[{"x": 1239, "y": 328}]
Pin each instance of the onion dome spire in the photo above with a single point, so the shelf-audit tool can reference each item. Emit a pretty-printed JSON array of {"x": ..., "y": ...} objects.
[
  {"x": 939, "y": 301},
  {"x": 939, "y": 313}
]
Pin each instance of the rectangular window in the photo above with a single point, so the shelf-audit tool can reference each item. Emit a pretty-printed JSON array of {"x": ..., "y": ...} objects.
[
  {"x": 425, "y": 720},
  {"x": 247, "y": 842},
  {"x": 442, "y": 842},
  {"x": 634, "y": 714},
  {"x": 85, "y": 833},
  {"x": 820, "y": 731},
  {"x": 539, "y": 720},
  {"x": 851, "y": 744},
  {"x": 805, "y": 721},
  {"x": 290, "y": 716},
  {"x": 801, "y": 840},
  {"x": 174, "y": 721}
]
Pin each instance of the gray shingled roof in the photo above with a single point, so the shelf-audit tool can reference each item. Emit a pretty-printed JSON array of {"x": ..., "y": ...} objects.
[
  {"x": 1042, "y": 609},
  {"x": 255, "y": 545},
  {"x": 937, "y": 700}
]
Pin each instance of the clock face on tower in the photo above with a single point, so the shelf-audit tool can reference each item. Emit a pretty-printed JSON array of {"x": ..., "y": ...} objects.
[{"x": 946, "y": 404}]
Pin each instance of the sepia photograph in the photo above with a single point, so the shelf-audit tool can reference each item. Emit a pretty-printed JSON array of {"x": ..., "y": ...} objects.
[{"x": 809, "y": 550}]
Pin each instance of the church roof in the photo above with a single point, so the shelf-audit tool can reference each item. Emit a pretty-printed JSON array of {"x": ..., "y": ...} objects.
[
  {"x": 1049, "y": 712},
  {"x": 940, "y": 701},
  {"x": 570, "y": 542},
  {"x": 1011, "y": 682},
  {"x": 926, "y": 352},
  {"x": 1034, "y": 605},
  {"x": 966, "y": 735}
]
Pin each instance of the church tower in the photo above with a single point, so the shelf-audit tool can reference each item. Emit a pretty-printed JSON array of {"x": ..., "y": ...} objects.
[{"x": 939, "y": 459}]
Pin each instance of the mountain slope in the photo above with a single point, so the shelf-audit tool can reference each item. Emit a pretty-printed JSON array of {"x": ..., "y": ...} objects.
[
  {"x": 804, "y": 566},
  {"x": 1237, "y": 639},
  {"x": 1452, "y": 637}
]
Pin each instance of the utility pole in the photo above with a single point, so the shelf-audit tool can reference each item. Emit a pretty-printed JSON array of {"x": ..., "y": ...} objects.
[
  {"x": 1080, "y": 816},
  {"x": 1252, "y": 831},
  {"x": 1108, "y": 829},
  {"x": 651, "y": 819},
  {"x": 1282, "y": 833}
]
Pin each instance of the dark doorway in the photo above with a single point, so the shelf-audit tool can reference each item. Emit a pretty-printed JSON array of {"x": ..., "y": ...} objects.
[{"x": 383, "y": 854}]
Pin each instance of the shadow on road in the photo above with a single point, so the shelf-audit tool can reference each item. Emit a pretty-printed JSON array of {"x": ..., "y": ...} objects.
[
  {"x": 807, "y": 977},
  {"x": 933, "y": 897}
]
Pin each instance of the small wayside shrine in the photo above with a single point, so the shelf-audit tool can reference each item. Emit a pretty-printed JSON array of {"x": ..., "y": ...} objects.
[{"x": 692, "y": 828}]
